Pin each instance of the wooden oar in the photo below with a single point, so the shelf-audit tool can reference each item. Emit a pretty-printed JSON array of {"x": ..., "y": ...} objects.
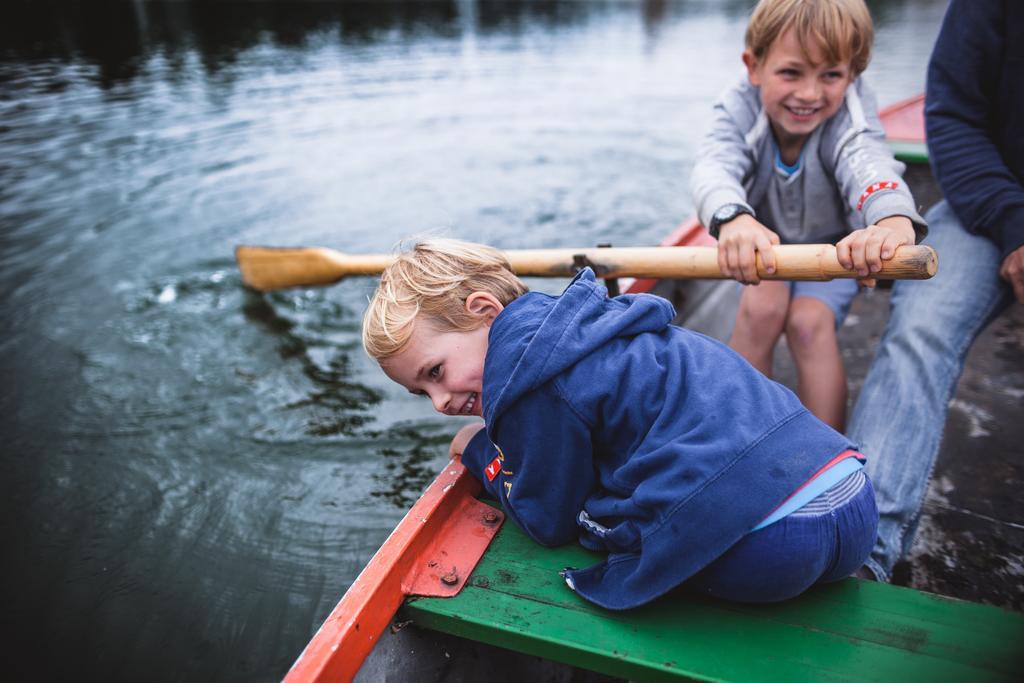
[{"x": 269, "y": 268}]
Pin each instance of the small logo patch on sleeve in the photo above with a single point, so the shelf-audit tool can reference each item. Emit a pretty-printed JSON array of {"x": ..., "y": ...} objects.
[
  {"x": 876, "y": 187},
  {"x": 492, "y": 470}
]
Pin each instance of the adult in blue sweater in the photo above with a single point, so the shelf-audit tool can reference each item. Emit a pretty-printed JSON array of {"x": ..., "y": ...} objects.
[
  {"x": 974, "y": 107},
  {"x": 607, "y": 424}
]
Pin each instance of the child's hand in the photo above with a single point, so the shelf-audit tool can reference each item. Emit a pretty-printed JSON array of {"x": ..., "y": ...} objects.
[
  {"x": 461, "y": 439},
  {"x": 864, "y": 250},
  {"x": 739, "y": 242}
]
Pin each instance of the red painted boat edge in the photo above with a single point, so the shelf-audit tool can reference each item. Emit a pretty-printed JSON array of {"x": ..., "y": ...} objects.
[
  {"x": 904, "y": 120},
  {"x": 432, "y": 551}
]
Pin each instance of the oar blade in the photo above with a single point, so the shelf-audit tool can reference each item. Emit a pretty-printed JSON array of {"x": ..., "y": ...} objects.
[{"x": 269, "y": 268}]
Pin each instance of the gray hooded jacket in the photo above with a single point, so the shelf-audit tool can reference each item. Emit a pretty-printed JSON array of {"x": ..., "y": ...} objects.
[{"x": 848, "y": 177}]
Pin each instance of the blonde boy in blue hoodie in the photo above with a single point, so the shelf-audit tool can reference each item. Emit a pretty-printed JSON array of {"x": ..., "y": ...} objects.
[{"x": 603, "y": 422}]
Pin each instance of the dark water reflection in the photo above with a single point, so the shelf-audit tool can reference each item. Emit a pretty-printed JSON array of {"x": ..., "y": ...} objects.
[{"x": 194, "y": 473}]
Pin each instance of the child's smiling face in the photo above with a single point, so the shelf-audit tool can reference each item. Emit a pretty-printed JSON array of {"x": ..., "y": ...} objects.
[
  {"x": 799, "y": 91},
  {"x": 447, "y": 367}
]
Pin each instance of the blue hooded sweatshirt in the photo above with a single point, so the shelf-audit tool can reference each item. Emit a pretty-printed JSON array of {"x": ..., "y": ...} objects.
[{"x": 607, "y": 424}]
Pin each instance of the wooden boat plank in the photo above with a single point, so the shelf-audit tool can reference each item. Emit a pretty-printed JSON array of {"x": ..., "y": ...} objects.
[
  {"x": 515, "y": 599},
  {"x": 866, "y": 611},
  {"x": 512, "y": 548},
  {"x": 888, "y": 608},
  {"x": 716, "y": 646}
]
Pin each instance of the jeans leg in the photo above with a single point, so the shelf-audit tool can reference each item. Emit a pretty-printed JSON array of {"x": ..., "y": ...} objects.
[
  {"x": 901, "y": 411},
  {"x": 775, "y": 563}
]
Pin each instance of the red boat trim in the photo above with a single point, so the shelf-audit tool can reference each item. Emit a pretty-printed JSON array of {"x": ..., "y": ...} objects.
[
  {"x": 904, "y": 120},
  {"x": 431, "y": 552}
]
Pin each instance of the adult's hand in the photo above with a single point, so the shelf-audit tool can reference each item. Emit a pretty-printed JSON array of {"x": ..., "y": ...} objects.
[
  {"x": 461, "y": 439},
  {"x": 864, "y": 250},
  {"x": 739, "y": 242},
  {"x": 1012, "y": 271}
]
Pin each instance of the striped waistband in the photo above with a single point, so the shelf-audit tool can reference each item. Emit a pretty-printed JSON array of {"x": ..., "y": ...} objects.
[{"x": 830, "y": 499}]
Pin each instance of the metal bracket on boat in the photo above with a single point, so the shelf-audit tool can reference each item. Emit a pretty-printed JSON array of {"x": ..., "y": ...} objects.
[{"x": 454, "y": 551}]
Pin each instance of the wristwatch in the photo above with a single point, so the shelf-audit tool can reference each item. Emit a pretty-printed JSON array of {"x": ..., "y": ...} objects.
[{"x": 725, "y": 214}]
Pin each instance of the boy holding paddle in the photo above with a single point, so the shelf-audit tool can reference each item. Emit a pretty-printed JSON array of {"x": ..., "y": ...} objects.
[
  {"x": 607, "y": 424},
  {"x": 796, "y": 154}
]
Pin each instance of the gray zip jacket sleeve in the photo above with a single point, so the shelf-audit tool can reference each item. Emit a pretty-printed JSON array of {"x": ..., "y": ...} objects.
[{"x": 848, "y": 177}]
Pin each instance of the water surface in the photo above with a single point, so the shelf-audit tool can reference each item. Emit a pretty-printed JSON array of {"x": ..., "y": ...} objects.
[{"x": 193, "y": 473}]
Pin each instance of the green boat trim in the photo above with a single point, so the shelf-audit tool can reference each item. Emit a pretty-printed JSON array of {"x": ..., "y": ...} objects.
[
  {"x": 910, "y": 151},
  {"x": 515, "y": 599}
]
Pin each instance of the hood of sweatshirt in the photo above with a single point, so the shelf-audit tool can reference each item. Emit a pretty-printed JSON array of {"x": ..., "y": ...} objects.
[{"x": 549, "y": 334}]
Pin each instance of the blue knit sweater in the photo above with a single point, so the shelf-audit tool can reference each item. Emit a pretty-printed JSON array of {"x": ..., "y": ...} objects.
[{"x": 974, "y": 112}]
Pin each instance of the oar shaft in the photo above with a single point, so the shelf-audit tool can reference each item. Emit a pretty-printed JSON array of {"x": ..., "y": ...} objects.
[
  {"x": 793, "y": 262},
  {"x": 267, "y": 268}
]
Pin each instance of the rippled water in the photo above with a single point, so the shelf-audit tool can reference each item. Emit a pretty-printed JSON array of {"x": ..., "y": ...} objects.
[{"x": 193, "y": 473}]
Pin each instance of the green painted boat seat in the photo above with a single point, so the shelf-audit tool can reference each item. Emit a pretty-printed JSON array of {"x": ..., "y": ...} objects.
[{"x": 850, "y": 630}]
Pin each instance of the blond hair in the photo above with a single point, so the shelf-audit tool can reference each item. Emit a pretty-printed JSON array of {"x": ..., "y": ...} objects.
[
  {"x": 432, "y": 280},
  {"x": 841, "y": 29}
]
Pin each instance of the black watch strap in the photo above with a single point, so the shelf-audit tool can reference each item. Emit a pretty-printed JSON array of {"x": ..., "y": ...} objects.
[{"x": 725, "y": 214}]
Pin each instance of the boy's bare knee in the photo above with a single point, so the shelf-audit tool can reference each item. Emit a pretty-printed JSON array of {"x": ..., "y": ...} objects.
[
  {"x": 764, "y": 313},
  {"x": 809, "y": 324}
]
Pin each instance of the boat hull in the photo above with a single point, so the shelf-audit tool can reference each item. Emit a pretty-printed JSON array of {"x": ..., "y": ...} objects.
[{"x": 407, "y": 652}]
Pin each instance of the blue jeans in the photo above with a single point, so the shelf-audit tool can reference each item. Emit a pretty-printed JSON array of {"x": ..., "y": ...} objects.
[
  {"x": 899, "y": 417},
  {"x": 786, "y": 558}
]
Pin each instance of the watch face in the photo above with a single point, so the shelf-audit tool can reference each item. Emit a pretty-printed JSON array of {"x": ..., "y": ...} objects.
[{"x": 725, "y": 213}]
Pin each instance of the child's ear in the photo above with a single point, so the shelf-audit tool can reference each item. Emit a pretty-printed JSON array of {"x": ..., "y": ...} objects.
[
  {"x": 753, "y": 73},
  {"x": 485, "y": 305}
]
